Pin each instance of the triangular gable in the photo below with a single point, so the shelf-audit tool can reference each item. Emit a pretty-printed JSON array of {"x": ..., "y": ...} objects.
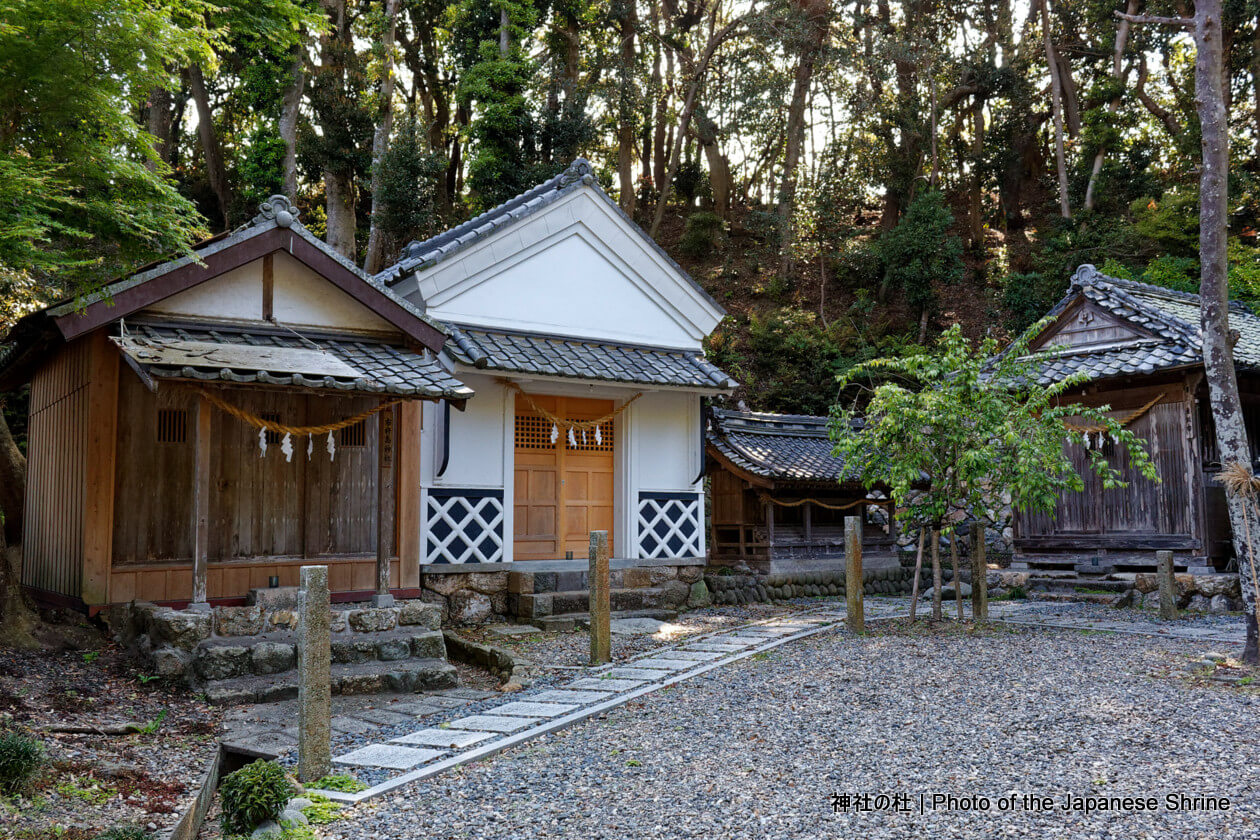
[
  {"x": 1083, "y": 323},
  {"x": 222, "y": 256},
  {"x": 561, "y": 259}
]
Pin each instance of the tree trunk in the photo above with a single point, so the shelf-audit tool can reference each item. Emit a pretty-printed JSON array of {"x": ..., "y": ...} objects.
[
  {"x": 374, "y": 260},
  {"x": 216, "y": 173},
  {"x": 1218, "y": 355},
  {"x": 816, "y": 14},
  {"x": 625, "y": 117},
  {"x": 979, "y": 574},
  {"x": 720, "y": 179},
  {"x": 287, "y": 127},
  {"x": 918, "y": 573},
  {"x": 12, "y": 484},
  {"x": 953, "y": 561},
  {"x": 339, "y": 197},
  {"x": 1117, "y": 73},
  {"x": 662, "y": 103},
  {"x": 936, "y": 574},
  {"x": 975, "y": 207},
  {"x": 160, "y": 123},
  {"x": 1255, "y": 84},
  {"x": 1056, "y": 104}
]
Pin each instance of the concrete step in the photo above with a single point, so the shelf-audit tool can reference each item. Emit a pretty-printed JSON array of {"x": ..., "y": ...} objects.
[
  {"x": 402, "y": 676},
  {"x": 571, "y": 621}
]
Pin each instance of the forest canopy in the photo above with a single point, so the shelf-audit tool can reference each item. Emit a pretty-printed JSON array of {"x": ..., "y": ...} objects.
[{"x": 847, "y": 178}]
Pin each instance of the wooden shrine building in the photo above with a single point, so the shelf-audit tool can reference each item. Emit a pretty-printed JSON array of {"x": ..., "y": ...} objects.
[
  {"x": 1140, "y": 348},
  {"x": 780, "y": 497},
  {"x": 207, "y": 425}
]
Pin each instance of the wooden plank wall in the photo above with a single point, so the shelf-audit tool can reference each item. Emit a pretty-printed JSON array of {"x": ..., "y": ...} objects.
[
  {"x": 52, "y": 537},
  {"x": 234, "y": 578}
]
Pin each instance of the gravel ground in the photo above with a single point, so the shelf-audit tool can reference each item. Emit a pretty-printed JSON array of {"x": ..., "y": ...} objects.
[{"x": 758, "y": 749}]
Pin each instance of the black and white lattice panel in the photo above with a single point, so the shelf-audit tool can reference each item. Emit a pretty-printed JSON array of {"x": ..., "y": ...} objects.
[
  {"x": 669, "y": 525},
  {"x": 463, "y": 526}
]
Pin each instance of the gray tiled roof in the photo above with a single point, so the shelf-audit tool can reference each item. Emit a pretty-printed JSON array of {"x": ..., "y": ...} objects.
[
  {"x": 783, "y": 447},
  {"x": 580, "y": 358},
  {"x": 418, "y": 256},
  {"x": 1170, "y": 317},
  {"x": 364, "y": 365}
]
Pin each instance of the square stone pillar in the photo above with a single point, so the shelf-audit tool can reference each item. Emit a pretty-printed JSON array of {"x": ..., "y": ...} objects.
[{"x": 314, "y": 676}]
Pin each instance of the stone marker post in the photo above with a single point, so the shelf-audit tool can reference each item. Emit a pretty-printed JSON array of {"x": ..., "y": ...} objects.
[
  {"x": 853, "y": 573},
  {"x": 601, "y": 599},
  {"x": 314, "y": 687},
  {"x": 979, "y": 574},
  {"x": 1167, "y": 585}
]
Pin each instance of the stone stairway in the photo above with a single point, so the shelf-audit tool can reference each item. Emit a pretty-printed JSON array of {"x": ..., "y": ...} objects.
[
  {"x": 248, "y": 654},
  {"x": 557, "y": 598}
]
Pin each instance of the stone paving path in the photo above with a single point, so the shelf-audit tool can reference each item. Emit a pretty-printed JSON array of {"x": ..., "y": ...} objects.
[
  {"x": 372, "y": 738},
  {"x": 530, "y": 714}
]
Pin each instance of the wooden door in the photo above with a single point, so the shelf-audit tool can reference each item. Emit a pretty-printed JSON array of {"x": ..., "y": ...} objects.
[{"x": 563, "y": 486}]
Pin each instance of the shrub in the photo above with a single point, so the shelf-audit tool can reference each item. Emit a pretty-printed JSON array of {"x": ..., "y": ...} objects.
[
  {"x": 342, "y": 782},
  {"x": 255, "y": 793},
  {"x": 20, "y": 759},
  {"x": 124, "y": 832},
  {"x": 700, "y": 234}
]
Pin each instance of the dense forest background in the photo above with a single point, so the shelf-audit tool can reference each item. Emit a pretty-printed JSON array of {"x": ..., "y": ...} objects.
[{"x": 846, "y": 178}]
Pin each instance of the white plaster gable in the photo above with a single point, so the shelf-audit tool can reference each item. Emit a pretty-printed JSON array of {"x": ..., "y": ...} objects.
[
  {"x": 575, "y": 267},
  {"x": 300, "y": 298}
]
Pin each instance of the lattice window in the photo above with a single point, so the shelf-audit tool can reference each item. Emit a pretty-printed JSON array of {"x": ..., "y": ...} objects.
[
  {"x": 272, "y": 417},
  {"x": 587, "y": 441},
  {"x": 463, "y": 526},
  {"x": 354, "y": 435},
  {"x": 669, "y": 525},
  {"x": 533, "y": 432},
  {"x": 172, "y": 425}
]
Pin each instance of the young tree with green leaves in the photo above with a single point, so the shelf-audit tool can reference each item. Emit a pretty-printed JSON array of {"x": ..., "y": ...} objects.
[
  {"x": 922, "y": 250},
  {"x": 973, "y": 423}
]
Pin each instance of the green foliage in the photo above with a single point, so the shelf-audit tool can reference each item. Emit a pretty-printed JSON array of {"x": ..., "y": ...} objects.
[
  {"x": 323, "y": 810},
  {"x": 408, "y": 186},
  {"x": 700, "y": 234},
  {"x": 957, "y": 424},
  {"x": 259, "y": 170},
  {"x": 690, "y": 182},
  {"x": 342, "y": 783},
  {"x": 82, "y": 193},
  {"x": 921, "y": 251},
  {"x": 124, "y": 832},
  {"x": 1029, "y": 296},
  {"x": 21, "y": 757},
  {"x": 1178, "y": 273},
  {"x": 253, "y": 794},
  {"x": 1170, "y": 222}
]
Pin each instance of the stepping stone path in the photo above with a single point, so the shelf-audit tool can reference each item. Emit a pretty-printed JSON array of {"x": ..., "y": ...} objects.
[{"x": 528, "y": 715}]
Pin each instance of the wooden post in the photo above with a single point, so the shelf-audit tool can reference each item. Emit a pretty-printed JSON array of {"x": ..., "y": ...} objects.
[
  {"x": 102, "y": 443},
  {"x": 1167, "y": 585},
  {"x": 201, "y": 505},
  {"x": 853, "y": 573},
  {"x": 314, "y": 677},
  {"x": 408, "y": 494},
  {"x": 979, "y": 574},
  {"x": 600, "y": 599},
  {"x": 809, "y": 521},
  {"x": 384, "y": 519}
]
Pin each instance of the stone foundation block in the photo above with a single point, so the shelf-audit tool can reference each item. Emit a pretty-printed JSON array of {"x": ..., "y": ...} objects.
[
  {"x": 353, "y": 650},
  {"x": 430, "y": 645},
  {"x": 372, "y": 620},
  {"x": 468, "y": 607},
  {"x": 674, "y": 593},
  {"x": 179, "y": 629},
  {"x": 272, "y": 657},
  {"x": 417, "y": 613},
  {"x": 636, "y": 578},
  {"x": 238, "y": 621},
  {"x": 222, "y": 662},
  {"x": 520, "y": 583},
  {"x": 171, "y": 662},
  {"x": 391, "y": 650}
]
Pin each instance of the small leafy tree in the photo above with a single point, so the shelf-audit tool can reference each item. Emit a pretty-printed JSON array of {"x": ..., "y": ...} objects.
[
  {"x": 921, "y": 250},
  {"x": 946, "y": 430}
]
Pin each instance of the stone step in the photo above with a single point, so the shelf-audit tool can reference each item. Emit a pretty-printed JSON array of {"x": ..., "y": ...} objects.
[
  {"x": 538, "y": 605},
  {"x": 571, "y": 621},
  {"x": 402, "y": 676},
  {"x": 1073, "y": 597},
  {"x": 224, "y": 658},
  {"x": 1075, "y": 584}
]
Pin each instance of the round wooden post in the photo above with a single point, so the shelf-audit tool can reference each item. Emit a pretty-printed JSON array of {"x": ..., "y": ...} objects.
[{"x": 853, "y": 573}]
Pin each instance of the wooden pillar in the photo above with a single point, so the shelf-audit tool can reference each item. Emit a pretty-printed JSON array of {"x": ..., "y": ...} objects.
[
  {"x": 809, "y": 521},
  {"x": 384, "y": 517},
  {"x": 1167, "y": 585},
  {"x": 853, "y": 574},
  {"x": 410, "y": 540},
  {"x": 770, "y": 521},
  {"x": 201, "y": 504},
  {"x": 600, "y": 599},
  {"x": 102, "y": 443}
]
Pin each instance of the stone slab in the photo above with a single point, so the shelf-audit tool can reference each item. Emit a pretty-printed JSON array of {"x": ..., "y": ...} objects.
[
  {"x": 416, "y": 709},
  {"x": 381, "y": 717},
  {"x": 466, "y": 694},
  {"x": 665, "y": 664},
  {"x": 527, "y": 709},
  {"x": 388, "y": 756},
  {"x": 565, "y": 696},
  {"x": 717, "y": 647},
  {"x": 451, "y": 739},
  {"x": 610, "y": 684},
  {"x": 493, "y": 723},
  {"x": 446, "y": 702},
  {"x": 641, "y": 626},
  {"x": 696, "y": 655},
  {"x": 351, "y": 726},
  {"x": 512, "y": 629},
  {"x": 648, "y": 674}
]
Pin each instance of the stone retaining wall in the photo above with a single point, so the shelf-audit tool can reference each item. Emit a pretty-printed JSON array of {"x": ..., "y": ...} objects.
[{"x": 749, "y": 588}]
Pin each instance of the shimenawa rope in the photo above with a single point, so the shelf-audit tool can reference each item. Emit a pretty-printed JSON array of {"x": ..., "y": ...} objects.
[
  {"x": 561, "y": 423},
  {"x": 281, "y": 428}
]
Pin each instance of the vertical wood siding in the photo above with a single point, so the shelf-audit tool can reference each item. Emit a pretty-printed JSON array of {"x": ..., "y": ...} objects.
[{"x": 56, "y": 457}]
